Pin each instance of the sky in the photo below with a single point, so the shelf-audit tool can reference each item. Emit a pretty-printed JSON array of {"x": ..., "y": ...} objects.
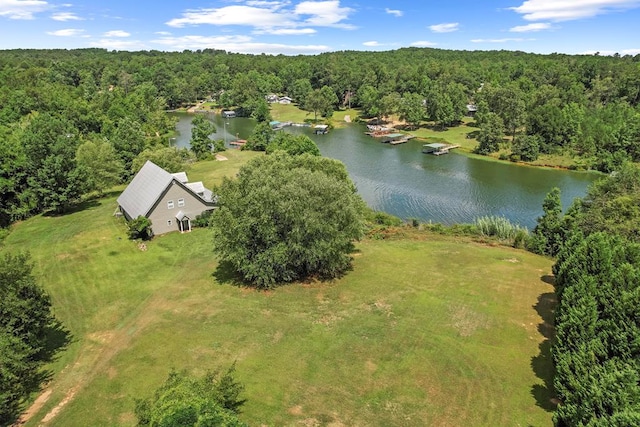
[{"x": 294, "y": 27}]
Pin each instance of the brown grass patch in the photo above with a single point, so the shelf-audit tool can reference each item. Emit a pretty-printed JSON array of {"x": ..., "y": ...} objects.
[{"x": 466, "y": 321}]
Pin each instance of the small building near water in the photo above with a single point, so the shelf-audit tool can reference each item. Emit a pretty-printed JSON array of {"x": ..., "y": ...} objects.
[
  {"x": 321, "y": 129},
  {"x": 228, "y": 114}
]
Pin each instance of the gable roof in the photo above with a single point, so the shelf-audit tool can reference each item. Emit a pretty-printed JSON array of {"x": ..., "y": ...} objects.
[
  {"x": 144, "y": 190},
  {"x": 181, "y": 176},
  {"x": 149, "y": 185}
]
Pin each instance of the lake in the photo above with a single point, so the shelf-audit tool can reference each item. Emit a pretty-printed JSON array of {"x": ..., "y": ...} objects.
[{"x": 402, "y": 181}]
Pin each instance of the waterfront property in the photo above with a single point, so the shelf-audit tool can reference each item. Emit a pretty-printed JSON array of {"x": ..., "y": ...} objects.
[
  {"x": 168, "y": 200},
  {"x": 228, "y": 114}
]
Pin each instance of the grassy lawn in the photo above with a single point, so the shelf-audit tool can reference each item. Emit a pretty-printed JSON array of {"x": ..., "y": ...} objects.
[{"x": 426, "y": 330}]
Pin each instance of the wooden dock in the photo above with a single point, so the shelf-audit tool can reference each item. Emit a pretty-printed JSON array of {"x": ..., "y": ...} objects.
[
  {"x": 401, "y": 140},
  {"x": 238, "y": 143},
  {"x": 438, "y": 149}
]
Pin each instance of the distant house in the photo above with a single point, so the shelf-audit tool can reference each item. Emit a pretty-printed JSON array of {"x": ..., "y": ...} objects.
[
  {"x": 285, "y": 100},
  {"x": 471, "y": 110},
  {"x": 168, "y": 200},
  {"x": 228, "y": 114},
  {"x": 272, "y": 98}
]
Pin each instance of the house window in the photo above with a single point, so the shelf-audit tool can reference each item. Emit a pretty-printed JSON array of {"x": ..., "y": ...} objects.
[
  {"x": 169, "y": 222},
  {"x": 169, "y": 204},
  {"x": 180, "y": 203}
]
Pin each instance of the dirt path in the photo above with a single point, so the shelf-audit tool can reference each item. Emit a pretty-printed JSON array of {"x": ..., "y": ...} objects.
[
  {"x": 196, "y": 107},
  {"x": 97, "y": 351}
]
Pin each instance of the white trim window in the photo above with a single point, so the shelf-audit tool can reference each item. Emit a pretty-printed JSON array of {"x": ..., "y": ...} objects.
[
  {"x": 180, "y": 203},
  {"x": 170, "y": 204}
]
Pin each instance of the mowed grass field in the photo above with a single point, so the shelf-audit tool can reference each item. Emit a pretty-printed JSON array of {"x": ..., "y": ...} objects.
[{"x": 426, "y": 329}]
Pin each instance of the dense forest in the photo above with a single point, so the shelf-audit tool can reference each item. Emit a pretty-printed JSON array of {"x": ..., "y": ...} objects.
[{"x": 72, "y": 122}]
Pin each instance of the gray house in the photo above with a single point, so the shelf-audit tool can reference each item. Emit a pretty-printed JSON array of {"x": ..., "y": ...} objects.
[{"x": 168, "y": 200}]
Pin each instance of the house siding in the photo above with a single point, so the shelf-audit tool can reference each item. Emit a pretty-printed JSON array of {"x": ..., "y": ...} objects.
[{"x": 160, "y": 213}]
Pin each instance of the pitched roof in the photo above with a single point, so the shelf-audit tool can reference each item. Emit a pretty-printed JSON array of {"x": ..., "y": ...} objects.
[
  {"x": 181, "y": 176},
  {"x": 144, "y": 190}
]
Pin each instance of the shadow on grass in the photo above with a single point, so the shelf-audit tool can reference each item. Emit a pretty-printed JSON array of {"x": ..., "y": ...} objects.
[
  {"x": 57, "y": 338},
  {"x": 226, "y": 274},
  {"x": 90, "y": 202},
  {"x": 542, "y": 364}
]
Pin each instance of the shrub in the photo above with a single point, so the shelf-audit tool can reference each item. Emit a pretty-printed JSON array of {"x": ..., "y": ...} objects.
[
  {"x": 500, "y": 227},
  {"x": 140, "y": 228}
]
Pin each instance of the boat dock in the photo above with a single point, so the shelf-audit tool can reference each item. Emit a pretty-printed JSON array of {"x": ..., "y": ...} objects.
[
  {"x": 396, "y": 138},
  {"x": 437, "y": 148},
  {"x": 238, "y": 143}
]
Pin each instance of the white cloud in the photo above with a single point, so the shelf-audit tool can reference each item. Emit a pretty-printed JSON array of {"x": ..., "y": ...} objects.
[
  {"x": 69, "y": 32},
  {"x": 566, "y": 10},
  {"x": 163, "y": 33},
  {"x": 324, "y": 13},
  {"x": 394, "y": 12},
  {"x": 423, "y": 43},
  {"x": 287, "y": 31},
  {"x": 116, "y": 33},
  {"x": 66, "y": 16},
  {"x": 536, "y": 26},
  {"x": 632, "y": 52},
  {"x": 505, "y": 40},
  {"x": 269, "y": 15},
  {"x": 372, "y": 43},
  {"x": 118, "y": 44},
  {"x": 447, "y": 27},
  {"x": 240, "y": 44},
  {"x": 22, "y": 9}
]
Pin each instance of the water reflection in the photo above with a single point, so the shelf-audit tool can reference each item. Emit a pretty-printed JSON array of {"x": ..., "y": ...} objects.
[{"x": 403, "y": 181}]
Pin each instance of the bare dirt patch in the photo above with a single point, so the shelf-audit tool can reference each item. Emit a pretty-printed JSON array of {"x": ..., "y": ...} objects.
[{"x": 466, "y": 321}]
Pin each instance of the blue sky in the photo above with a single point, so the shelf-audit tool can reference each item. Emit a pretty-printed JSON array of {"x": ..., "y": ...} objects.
[{"x": 310, "y": 26}]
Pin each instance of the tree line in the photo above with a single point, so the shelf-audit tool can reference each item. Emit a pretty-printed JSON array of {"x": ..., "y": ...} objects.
[
  {"x": 74, "y": 121},
  {"x": 596, "y": 350}
]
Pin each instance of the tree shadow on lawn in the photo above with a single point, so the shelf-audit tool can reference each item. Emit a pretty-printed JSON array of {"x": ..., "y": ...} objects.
[
  {"x": 226, "y": 274},
  {"x": 542, "y": 364},
  {"x": 90, "y": 202}
]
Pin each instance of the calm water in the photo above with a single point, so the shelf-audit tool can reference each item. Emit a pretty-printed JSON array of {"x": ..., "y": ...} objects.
[{"x": 403, "y": 181}]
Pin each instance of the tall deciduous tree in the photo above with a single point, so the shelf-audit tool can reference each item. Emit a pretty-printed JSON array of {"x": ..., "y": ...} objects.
[
  {"x": 201, "y": 130},
  {"x": 285, "y": 218},
  {"x": 491, "y": 133},
  {"x": 293, "y": 144},
  {"x": 100, "y": 158}
]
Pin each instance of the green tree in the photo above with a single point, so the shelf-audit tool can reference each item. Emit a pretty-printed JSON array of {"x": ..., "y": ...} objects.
[
  {"x": 100, "y": 159},
  {"x": 525, "y": 148},
  {"x": 261, "y": 135},
  {"x": 491, "y": 133},
  {"x": 260, "y": 110},
  {"x": 285, "y": 218},
  {"x": 293, "y": 144},
  {"x": 170, "y": 159},
  {"x": 300, "y": 90},
  {"x": 25, "y": 321},
  {"x": 548, "y": 234},
  {"x": 612, "y": 205},
  {"x": 201, "y": 130},
  {"x": 140, "y": 228},
  {"x": 411, "y": 109},
  {"x": 211, "y": 401}
]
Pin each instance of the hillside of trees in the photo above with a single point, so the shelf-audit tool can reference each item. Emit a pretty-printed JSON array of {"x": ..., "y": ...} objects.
[{"x": 74, "y": 121}]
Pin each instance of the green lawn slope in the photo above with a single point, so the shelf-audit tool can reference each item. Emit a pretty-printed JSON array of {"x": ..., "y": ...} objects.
[{"x": 426, "y": 329}]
